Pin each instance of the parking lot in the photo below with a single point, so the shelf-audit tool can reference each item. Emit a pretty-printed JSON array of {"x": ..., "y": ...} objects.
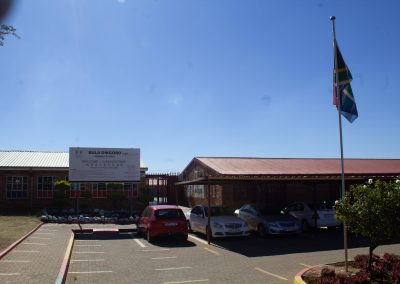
[
  {"x": 128, "y": 259},
  {"x": 125, "y": 258}
]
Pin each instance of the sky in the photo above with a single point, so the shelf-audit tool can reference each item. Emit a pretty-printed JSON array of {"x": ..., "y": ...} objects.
[{"x": 199, "y": 78}]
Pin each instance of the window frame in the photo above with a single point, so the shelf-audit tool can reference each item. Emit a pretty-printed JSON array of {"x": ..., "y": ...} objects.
[{"x": 13, "y": 193}]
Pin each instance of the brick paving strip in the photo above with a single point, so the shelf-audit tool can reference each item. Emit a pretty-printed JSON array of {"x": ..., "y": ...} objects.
[
  {"x": 29, "y": 260},
  {"x": 13, "y": 245},
  {"x": 62, "y": 274}
]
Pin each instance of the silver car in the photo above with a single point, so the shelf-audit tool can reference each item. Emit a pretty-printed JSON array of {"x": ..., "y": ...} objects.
[
  {"x": 264, "y": 222},
  {"x": 310, "y": 215}
]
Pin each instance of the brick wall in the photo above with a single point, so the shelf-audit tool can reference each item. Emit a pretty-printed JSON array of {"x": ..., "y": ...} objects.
[{"x": 34, "y": 203}]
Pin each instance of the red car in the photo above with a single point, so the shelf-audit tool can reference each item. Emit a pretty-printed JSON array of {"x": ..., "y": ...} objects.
[{"x": 162, "y": 220}]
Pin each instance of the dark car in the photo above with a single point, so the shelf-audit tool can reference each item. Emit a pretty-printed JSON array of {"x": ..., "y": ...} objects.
[{"x": 162, "y": 220}]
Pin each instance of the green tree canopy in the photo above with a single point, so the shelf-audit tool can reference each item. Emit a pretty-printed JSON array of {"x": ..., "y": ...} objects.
[
  {"x": 62, "y": 185},
  {"x": 372, "y": 210}
]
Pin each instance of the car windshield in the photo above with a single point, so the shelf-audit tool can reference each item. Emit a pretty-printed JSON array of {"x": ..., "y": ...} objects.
[
  {"x": 216, "y": 211},
  {"x": 168, "y": 214},
  {"x": 326, "y": 205}
]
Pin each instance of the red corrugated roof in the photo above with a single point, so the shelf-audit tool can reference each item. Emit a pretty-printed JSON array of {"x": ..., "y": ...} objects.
[{"x": 301, "y": 166}]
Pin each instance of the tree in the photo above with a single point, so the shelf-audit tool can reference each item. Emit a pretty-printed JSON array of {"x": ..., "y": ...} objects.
[
  {"x": 373, "y": 211},
  {"x": 61, "y": 196},
  {"x": 144, "y": 195},
  {"x": 6, "y": 30},
  {"x": 115, "y": 195}
]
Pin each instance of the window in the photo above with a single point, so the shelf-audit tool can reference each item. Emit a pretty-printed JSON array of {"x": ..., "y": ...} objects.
[
  {"x": 130, "y": 188},
  {"x": 197, "y": 210},
  {"x": 45, "y": 187},
  {"x": 76, "y": 188},
  {"x": 17, "y": 187},
  {"x": 99, "y": 190},
  {"x": 169, "y": 214}
]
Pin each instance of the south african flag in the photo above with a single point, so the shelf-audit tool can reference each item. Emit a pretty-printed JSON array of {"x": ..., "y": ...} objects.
[{"x": 347, "y": 105}]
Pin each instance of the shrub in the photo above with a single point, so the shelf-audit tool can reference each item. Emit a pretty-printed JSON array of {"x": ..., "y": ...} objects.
[
  {"x": 62, "y": 185},
  {"x": 327, "y": 276},
  {"x": 361, "y": 260},
  {"x": 385, "y": 269},
  {"x": 396, "y": 273},
  {"x": 359, "y": 278},
  {"x": 341, "y": 278},
  {"x": 371, "y": 210}
]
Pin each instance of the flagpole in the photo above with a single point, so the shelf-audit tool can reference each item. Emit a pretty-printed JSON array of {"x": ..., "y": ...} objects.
[{"x": 338, "y": 98}]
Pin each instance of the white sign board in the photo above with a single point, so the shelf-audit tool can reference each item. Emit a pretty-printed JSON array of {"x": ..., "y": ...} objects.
[{"x": 104, "y": 164}]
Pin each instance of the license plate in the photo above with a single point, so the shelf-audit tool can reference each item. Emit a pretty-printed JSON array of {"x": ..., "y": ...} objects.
[{"x": 171, "y": 224}]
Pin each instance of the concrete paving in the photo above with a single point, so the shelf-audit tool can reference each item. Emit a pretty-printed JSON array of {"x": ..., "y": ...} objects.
[
  {"x": 39, "y": 257},
  {"x": 126, "y": 258}
]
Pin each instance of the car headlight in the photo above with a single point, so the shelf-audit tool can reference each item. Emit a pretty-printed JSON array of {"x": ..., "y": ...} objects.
[{"x": 217, "y": 225}]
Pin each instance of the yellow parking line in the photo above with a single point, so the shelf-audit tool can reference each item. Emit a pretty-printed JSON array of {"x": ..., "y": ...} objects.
[
  {"x": 271, "y": 274},
  {"x": 198, "y": 239},
  {"x": 9, "y": 274},
  {"x": 212, "y": 251}
]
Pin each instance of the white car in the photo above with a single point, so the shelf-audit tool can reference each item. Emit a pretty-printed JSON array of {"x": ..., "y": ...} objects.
[
  {"x": 324, "y": 214},
  {"x": 222, "y": 224},
  {"x": 268, "y": 222}
]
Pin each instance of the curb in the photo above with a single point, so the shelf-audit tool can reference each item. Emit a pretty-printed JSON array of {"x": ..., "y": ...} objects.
[
  {"x": 298, "y": 279},
  {"x": 62, "y": 274},
  {"x": 13, "y": 245}
]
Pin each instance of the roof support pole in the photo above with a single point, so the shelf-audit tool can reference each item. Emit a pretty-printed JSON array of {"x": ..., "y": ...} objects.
[{"x": 209, "y": 232}]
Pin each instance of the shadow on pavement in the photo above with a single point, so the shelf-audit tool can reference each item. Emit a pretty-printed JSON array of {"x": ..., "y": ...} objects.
[
  {"x": 324, "y": 240},
  {"x": 173, "y": 243},
  {"x": 121, "y": 236}
]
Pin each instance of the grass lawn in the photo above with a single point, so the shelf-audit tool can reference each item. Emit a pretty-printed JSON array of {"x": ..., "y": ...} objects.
[{"x": 13, "y": 228}]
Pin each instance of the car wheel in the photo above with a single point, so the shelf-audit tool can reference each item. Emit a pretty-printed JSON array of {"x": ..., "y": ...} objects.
[
  {"x": 305, "y": 227},
  {"x": 148, "y": 237},
  {"x": 261, "y": 231},
  {"x": 185, "y": 237}
]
